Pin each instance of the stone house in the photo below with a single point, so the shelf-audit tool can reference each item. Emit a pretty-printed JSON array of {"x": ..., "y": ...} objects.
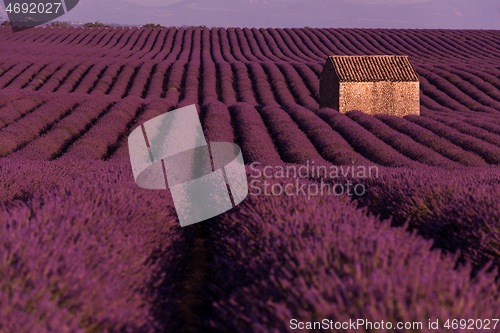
[{"x": 372, "y": 84}]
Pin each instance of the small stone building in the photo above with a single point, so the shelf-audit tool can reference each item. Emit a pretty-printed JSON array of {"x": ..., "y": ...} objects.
[{"x": 372, "y": 84}]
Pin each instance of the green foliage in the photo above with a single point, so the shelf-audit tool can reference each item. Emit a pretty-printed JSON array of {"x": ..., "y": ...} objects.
[
  {"x": 152, "y": 25},
  {"x": 6, "y": 24},
  {"x": 96, "y": 25},
  {"x": 58, "y": 24}
]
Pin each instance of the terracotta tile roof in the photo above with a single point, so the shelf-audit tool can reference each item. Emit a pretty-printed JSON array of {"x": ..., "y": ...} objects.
[{"x": 373, "y": 68}]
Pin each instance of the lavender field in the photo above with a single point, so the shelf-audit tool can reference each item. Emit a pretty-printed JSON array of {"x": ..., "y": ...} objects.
[{"x": 84, "y": 249}]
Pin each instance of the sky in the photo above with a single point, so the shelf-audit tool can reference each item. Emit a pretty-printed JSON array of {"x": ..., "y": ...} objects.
[
  {"x": 154, "y": 2},
  {"x": 408, "y": 14},
  {"x": 169, "y": 2}
]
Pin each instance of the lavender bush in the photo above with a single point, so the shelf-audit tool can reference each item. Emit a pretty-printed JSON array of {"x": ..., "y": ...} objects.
[
  {"x": 86, "y": 250},
  {"x": 283, "y": 257},
  {"x": 399, "y": 141},
  {"x": 363, "y": 141}
]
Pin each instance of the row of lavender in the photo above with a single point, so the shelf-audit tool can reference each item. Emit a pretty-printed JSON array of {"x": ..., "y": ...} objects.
[
  {"x": 259, "y": 130},
  {"x": 274, "y": 253},
  {"x": 236, "y": 62},
  {"x": 175, "y": 76},
  {"x": 278, "y": 258},
  {"x": 258, "y": 133},
  {"x": 276, "y": 44},
  {"x": 43, "y": 126},
  {"x": 145, "y": 79},
  {"x": 470, "y": 142},
  {"x": 76, "y": 255},
  {"x": 271, "y": 259},
  {"x": 236, "y": 81},
  {"x": 263, "y": 44}
]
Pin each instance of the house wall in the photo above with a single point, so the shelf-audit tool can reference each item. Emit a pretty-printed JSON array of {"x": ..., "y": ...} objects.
[
  {"x": 394, "y": 98},
  {"x": 329, "y": 87}
]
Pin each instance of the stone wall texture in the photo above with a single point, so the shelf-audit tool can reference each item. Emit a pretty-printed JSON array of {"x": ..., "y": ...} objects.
[{"x": 394, "y": 98}]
